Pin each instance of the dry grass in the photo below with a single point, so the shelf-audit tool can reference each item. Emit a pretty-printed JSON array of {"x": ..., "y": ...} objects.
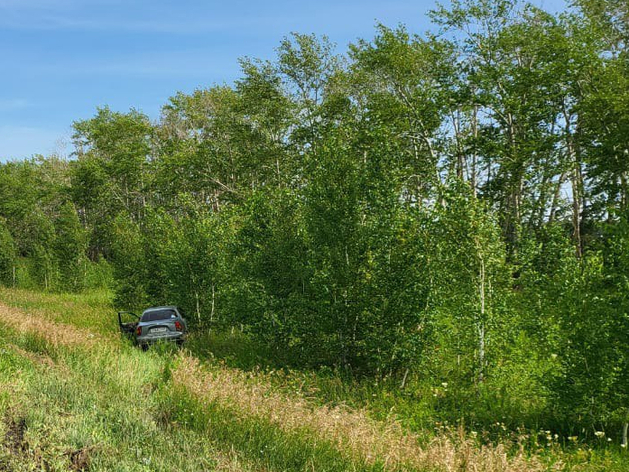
[
  {"x": 350, "y": 430},
  {"x": 57, "y": 334},
  {"x": 36, "y": 358},
  {"x": 231, "y": 461}
]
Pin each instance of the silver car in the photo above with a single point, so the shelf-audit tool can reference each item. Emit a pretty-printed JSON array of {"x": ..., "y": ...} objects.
[{"x": 161, "y": 323}]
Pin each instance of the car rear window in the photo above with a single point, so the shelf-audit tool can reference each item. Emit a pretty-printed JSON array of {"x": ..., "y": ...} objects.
[{"x": 158, "y": 315}]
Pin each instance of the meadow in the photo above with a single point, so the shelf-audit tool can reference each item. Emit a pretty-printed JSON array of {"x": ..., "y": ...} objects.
[{"x": 76, "y": 396}]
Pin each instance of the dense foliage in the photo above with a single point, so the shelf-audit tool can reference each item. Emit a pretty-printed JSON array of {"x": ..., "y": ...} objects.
[{"x": 447, "y": 210}]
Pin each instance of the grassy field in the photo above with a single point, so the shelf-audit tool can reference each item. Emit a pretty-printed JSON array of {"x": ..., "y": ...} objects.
[{"x": 74, "y": 396}]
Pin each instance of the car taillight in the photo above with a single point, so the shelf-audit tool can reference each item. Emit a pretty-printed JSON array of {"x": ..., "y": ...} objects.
[
  {"x": 138, "y": 331},
  {"x": 178, "y": 326}
]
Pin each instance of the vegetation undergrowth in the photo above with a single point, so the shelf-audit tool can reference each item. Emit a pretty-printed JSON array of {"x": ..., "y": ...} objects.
[
  {"x": 118, "y": 407},
  {"x": 97, "y": 401},
  {"x": 89, "y": 309},
  {"x": 89, "y": 404}
]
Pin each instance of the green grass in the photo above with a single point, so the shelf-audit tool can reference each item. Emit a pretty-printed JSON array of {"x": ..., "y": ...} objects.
[
  {"x": 121, "y": 408},
  {"x": 91, "y": 309},
  {"x": 114, "y": 407},
  {"x": 77, "y": 402},
  {"x": 117, "y": 406},
  {"x": 382, "y": 398}
]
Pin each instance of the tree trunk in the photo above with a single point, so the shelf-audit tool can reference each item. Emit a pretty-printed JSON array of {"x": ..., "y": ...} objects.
[
  {"x": 623, "y": 191},
  {"x": 460, "y": 159},
  {"x": 576, "y": 209},
  {"x": 481, "y": 324},
  {"x": 404, "y": 380},
  {"x": 555, "y": 203},
  {"x": 198, "y": 308},
  {"x": 474, "y": 154},
  {"x": 576, "y": 179},
  {"x": 212, "y": 308}
]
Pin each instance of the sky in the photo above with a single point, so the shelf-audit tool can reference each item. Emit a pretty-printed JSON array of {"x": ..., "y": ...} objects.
[{"x": 61, "y": 59}]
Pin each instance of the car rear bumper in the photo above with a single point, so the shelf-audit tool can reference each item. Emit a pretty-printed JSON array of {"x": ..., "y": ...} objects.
[{"x": 145, "y": 340}]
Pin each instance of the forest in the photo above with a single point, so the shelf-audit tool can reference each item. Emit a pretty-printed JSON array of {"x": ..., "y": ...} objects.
[{"x": 444, "y": 212}]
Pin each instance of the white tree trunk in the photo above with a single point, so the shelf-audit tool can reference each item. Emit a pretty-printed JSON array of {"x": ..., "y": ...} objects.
[
  {"x": 481, "y": 324},
  {"x": 196, "y": 296},
  {"x": 212, "y": 309}
]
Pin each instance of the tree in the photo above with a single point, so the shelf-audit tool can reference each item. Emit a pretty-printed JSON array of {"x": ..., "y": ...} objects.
[
  {"x": 8, "y": 255},
  {"x": 110, "y": 175},
  {"x": 69, "y": 248}
]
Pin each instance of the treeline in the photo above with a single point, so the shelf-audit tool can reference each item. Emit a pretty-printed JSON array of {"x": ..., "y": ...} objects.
[
  {"x": 448, "y": 210},
  {"x": 42, "y": 241}
]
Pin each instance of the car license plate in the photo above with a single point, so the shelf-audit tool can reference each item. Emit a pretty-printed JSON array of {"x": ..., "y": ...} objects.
[{"x": 159, "y": 330}]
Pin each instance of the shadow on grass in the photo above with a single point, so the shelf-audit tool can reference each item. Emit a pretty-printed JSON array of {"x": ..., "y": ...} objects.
[{"x": 236, "y": 350}]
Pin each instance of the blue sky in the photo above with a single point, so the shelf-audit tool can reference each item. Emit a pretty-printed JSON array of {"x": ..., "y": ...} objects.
[{"x": 60, "y": 59}]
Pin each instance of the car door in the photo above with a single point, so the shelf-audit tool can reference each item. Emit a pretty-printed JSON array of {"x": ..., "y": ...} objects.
[{"x": 128, "y": 322}]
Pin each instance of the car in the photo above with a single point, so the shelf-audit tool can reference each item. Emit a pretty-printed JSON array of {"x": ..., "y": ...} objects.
[{"x": 160, "y": 323}]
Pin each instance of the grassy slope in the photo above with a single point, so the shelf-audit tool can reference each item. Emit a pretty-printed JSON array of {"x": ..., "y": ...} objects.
[{"x": 73, "y": 395}]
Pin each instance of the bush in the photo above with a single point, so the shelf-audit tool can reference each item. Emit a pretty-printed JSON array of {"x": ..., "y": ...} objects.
[{"x": 8, "y": 255}]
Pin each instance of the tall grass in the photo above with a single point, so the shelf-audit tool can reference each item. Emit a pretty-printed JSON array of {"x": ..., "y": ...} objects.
[
  {"x": 89, "y": 411},
  {"x": 86, "y": 397},
  {"x": 122, "y": 407},
  {"x": 91, "y": 310}
]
